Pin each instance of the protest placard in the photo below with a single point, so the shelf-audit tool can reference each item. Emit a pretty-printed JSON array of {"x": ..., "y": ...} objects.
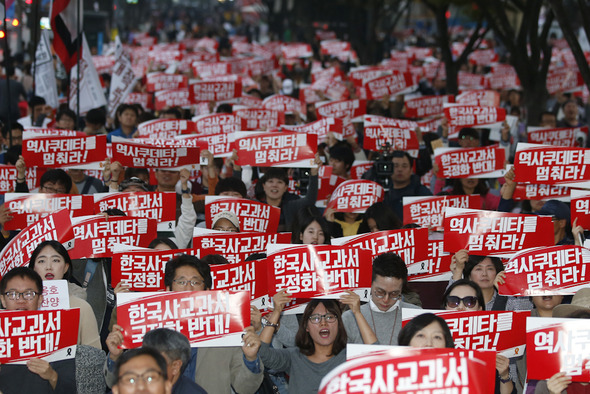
[
  {"x": 485, "y": 162},
  {"x": 253, "y": 215},
  {"x": 284, "y": 149},
  {"x": 356, "y": 195}
]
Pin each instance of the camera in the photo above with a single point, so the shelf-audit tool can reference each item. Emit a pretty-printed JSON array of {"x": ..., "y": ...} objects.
[
  {"x": 383, "y": 167},
  {"x": 301, "y": 178}
]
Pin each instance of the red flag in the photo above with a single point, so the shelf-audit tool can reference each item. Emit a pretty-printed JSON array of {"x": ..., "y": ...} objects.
[{"x": 66, "y": 30}]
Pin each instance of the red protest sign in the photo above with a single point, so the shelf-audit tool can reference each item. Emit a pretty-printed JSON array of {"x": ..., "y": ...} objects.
[
  {"x": 429, "y": 211},
  {"x": 161, "y": 81},
  {"x": 422, "y": 107},
  {"x": 215, "y": 90},
  {"x": 172, "y": 98},
  {"x": 160, "y": 206},
  {"x": 218, "y": 123},
  {"x": 437, "y": 267},
  {"x": 500, "y": 82},
  {"x": 377, "y": 135},
  {"x": 250, "y": 276},
  {"x": 258, "y": 67},
  {"x": 501, "y": 331},
  {"x": 55, "y": 151},
  {"x": 359, "y": 168},
  {"x": 389, "y": 85},
  {"x": 143, "y": 99},
  {"x": 468, "y": 80},
  {"x": 560, "y": 136},
  {"x": 460, "y": 116},
  {"x": 540, "y": 192},
  {"x": 206, "y": 318},
  {"x": 333, "y": 47},
  {"x": 236, "y": 247},
  {"x": 564, "y": 79},
  {"x": 155, "y": 153},
  {"x": 483, "y": 57},
  {"x": 327, "y": 183},
  {"x": 296, "y": 50},
  {"x": 361, "y": 75},
  {"x": 489, "y": 98},
  {"x": 385, "y": 121},
  {"x": 8, "y": 175},
  {"x": 253, "y": 215},
  {"x": 489, "y": 233},
  {"x": 210, "y": 69},
  {"x": 220, "y": 145},
  {"x": 346, "y": 110},
  {"x": 580, "y": 208},
  {"x": 27, "y": 208},
  {"x": 316, "y": 270},
  {"x": 547, "y": 270},
  {"x": 260, "y": 119},
  {"x": 143, "y": 270},
  {"x": 557, "y": 345},
  {"x": 281, "y": 149},
  {"x": 469, "y": 162},
  {"x": 18, "y": 251},
  {"x": 286, "y": 104},
  {"x": 356, "y": 195},
  {"x": 542, "y": 164},
  {"x": 407, "y": 243},
  {"x": 320, "y": 127},
  {"x": 427, "y": 370},
  {"x": 49, "y": 335},
  {"x": 96, "y": 236},
  {"x": 165, "y": 128}
]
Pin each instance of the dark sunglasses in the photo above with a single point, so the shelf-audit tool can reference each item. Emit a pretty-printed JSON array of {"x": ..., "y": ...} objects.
[{"x": 454, "y": 301}]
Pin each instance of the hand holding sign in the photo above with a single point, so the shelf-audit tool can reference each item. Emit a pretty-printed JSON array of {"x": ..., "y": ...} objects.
[
  {"x": 251, "y": 344},
  {"x": 44, "y": 370}
]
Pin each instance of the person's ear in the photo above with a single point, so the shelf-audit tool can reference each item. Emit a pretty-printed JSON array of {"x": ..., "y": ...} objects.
[{"x": 176, "y": 367}]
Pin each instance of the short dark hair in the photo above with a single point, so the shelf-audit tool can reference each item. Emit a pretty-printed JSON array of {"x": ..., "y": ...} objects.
[
  {"x": 390, "y": 265},
  {"x": 65, "y": 112},
  {"x": 35, "y": 101},
  {"x": 57, "y": 175},
  {"x": 9, "y": 127},
  {"x": 275, "y": 173},
  {"x": 303, "y": 340},
  {"x": 59, "y": 248},
  {"x": 162, "y": 241},
  {"x": 400, "y": 153},
  {"x": 468, "y": 132},
  {"x": 173, "y": 111},
  {"x": 96, "y": 116},
  {"x": 215, "y": 259},
  {"x": 384, "y": 217},
  {"x": 473, "y": 260},
  {"x": 418, "y": 323},
  {"x": 231, "y": 184},
  {"x": 465, "y": 282},
  {"x": 142, "y": 351},
  {"x": 342, "y": 151},
  {"x": 304, "y": 217},
  {"x": 24, "y": 273},
  {"x": 185, "y": 260},
  {"x": 170, "y": 342}
]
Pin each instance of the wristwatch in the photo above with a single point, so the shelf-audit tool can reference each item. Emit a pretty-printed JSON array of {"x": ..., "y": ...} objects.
[
  {"x": 265, "y": 322},
  {"x": 508, "y": 379}
]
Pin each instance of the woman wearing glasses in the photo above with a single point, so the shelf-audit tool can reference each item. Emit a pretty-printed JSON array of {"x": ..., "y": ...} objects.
[
  {"x": 465, "y": 295},
  {"x": 320, "y": 341}
]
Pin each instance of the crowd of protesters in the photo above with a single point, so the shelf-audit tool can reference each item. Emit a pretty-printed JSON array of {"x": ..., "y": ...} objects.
[{"x": 289, "y": 353}]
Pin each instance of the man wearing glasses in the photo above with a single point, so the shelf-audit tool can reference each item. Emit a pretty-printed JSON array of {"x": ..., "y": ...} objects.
[
  {"x": 142, "y": 370},
  {"x": 383, "y": 311},
  {"x": 21, "y": 289}
]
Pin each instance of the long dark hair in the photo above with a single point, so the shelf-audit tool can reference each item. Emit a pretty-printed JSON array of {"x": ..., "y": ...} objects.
[
  {"x": 306, "y": 216},
  {"x": 481, "y": 188},
  {"x": 303, "y": 340},
  {"x": 59, "y": 248},
  {"x": 465, "y": 282},
  {"x": 418, "y": 323},
  {"x": 383, "y": 216}
]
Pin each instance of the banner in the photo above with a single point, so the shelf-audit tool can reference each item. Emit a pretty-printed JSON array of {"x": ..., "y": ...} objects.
[
  {"x": 395, "y": 123},
  {"x": 143, "y": 270},
  {"x": 437, "y": 267},
  {"x": 542, "y": 164},
  {"x": 249, "y": 276},
  {"x": 235, "y": 247},
  {"x": 55, "y": 151},
  {"x": 44, "y": 74},
  {"x": 486, "y": 162},
  {"x": 210, "y": 69},
  {"x": 218, "y": 123},
  {"x": 425, "y": 371},
  {"x": 490, "y": 233},
  {"x": 285, "y": 149},
  {"x": 65, "y": 15},
  {"x": 143, "y": 99},
  {"x": 122, "y": 79},
  {"x": 327, "y": 183},
  {"x": 500, "y": 331},
  {"x": 27, "y": 208},
  {"x": 296, "y": 50},
  {"x": 285, "y": 104},
  {"x": 346, "y": 110},
  {"x": 206, "y": 318},
  {"x": 253, "y": 215},
  {"x": 540, "y": 192},
  {"x": 483, "y": 57},
  {"x": 17, "y": 253},
  {"x": 48, "y": 335},
  {"x": 165, "y": 128},
  {"x": 407, "y": 243},
  {"x": 500, "y": 82},
  {"x": 96, "y": 236},
  {"x": 557, "y": 345},
  {"x": 356, "y": 195},
  {"x": 560, "y": 136},
  {"x": 390, "y": 85},
  {"x": 220, "y": 145},
  {"x": 580, "y": 207},
  {"x": 154, "y": 153},
  {"x": 157, "y": 81},
  {"x": 377, "y": 135},
  {"x": 91, "y": 93},
  {"x": 460, "y": 116},
  {"x": 546, "y": 271},
  {"x": 422, "y": 107},
  {"x": 172, "y": 98},
  {"x": 429, "y": 211},
  {"x": 160, "y": 206},
  {"x": 260, "y": 119},
  {"x": 8, "y": 176},
  {"x": 215, "y": 90},
  {"x": 56, "y": 295},
  {"x": 359, "y": 168},
  {"x": 318, "y": 270},
  {"x": 320, "y": 127}
]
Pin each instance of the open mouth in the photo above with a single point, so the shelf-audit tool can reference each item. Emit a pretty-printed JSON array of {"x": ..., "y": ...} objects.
[
  {"x": 49, "y": 276},
  {"x": 547, "y": 298},
  {"x": 324, "y": 333}
]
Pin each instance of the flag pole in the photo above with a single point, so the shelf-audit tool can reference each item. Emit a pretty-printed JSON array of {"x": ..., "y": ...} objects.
[
  {"x": 36, "y": 40},
  {"x": 78, "y": 62},
  {"x": 6, "y": 66}
]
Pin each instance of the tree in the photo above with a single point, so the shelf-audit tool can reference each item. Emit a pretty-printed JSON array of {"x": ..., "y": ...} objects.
[{"x": 516, "y": 23}]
